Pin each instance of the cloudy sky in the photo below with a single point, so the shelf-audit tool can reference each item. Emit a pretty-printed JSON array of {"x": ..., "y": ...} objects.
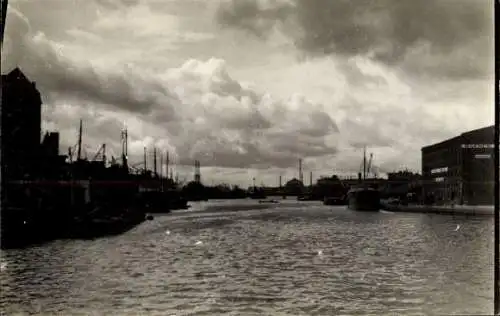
[{"x": 250, "y": 86}]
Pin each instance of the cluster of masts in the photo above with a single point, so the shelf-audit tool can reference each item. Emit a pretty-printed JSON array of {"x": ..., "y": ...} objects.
[{"x": 101, "y": 156}]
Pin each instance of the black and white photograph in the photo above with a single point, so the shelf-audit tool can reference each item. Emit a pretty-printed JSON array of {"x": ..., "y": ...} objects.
[{"x": 249, "y": 157}]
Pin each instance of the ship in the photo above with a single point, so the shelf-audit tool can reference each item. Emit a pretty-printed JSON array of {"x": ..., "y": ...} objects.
[
  {"x": 257, "y": 194},
  {"x": 362, "y": 197}
]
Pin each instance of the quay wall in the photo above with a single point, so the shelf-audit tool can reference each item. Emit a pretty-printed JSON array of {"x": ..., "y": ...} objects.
[{"x": 469, "y": 210}]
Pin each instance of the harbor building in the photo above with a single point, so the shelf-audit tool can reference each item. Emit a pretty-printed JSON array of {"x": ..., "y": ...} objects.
[
  {"x": 460, "y": 169},
  {"x": 21, "y": 125}
]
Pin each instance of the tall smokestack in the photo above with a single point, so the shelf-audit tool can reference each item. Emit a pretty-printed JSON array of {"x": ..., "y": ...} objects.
[
  {"x": 197, "y": 173},
  {"x": 145, "y": 160},
  {"x": 300, "y": 171},
  {"x": 311, "y": 179},
  {"x": 280, "y": 181}
]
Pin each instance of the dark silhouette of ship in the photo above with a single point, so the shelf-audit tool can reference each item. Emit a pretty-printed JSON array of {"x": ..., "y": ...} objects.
[
  {"x": 46, "y": 195},
  {"x": 257, "y": 194},
  {"x": 362, "y": 197}
]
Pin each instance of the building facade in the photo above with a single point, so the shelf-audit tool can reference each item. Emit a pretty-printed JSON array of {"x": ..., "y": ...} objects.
[
  {"x": 460, "y": 169},
  {"x": 21, "y": 125}
]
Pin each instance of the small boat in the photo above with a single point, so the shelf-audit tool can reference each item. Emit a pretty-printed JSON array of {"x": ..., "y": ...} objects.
[{"x": 268, "y": 201}]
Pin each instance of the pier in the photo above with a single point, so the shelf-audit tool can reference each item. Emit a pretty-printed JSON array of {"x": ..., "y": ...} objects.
[{"x": 467, "y": 210}]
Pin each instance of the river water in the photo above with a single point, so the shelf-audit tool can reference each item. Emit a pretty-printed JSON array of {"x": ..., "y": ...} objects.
[{"x": 245, "y": 258}]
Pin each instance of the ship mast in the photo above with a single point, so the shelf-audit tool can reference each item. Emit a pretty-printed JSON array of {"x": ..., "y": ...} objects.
[
  {"x": 364, "y": 163},
  {"x": 79, "y": 156},
  {"x": 154, "y": 162},
  {"x": 124, "y": 136},
  {"x": 145, "y": 161}
]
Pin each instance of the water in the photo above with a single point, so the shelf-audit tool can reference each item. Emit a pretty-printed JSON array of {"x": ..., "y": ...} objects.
[{"x": 242, "y": 258}]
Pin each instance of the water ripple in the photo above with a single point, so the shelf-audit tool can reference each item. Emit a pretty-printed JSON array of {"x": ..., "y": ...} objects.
[{"x": 246, "y": 260}]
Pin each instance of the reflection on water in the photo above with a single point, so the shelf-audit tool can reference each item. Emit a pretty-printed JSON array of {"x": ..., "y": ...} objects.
[{"x": 241, "y": 258}]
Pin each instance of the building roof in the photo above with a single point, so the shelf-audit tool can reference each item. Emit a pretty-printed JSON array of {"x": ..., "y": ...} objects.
[
  {"x": 14, "y": 74},
  {"x": 479, "y": 130},
  {"x": 449, "y": 140},
  {"x": 461, "y": 136}
]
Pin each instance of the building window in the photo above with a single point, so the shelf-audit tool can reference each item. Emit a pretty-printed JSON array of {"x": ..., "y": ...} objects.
[{"x": 439, "y": 179}]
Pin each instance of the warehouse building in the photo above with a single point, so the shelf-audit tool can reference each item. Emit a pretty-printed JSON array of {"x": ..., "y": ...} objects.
[{"x": 460, "y": 169}]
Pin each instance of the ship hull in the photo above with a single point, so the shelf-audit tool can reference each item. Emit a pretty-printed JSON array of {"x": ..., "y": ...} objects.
[{"x": 364, "y": 200}]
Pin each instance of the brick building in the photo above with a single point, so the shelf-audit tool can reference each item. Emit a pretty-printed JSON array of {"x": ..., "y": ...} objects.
[{"x": 460, "y": 169}]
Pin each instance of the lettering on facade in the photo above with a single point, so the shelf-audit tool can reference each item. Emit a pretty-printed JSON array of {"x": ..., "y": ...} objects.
[
  {"x": 482, "y": 156},
  {"x": 476, "y": 146},
  {"x": 439, "y": 179},
  {"x": 439, "y": 170}
]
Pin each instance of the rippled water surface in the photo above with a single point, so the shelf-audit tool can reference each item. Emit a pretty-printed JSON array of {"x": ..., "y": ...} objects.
[{"x": 242, "y": 258}]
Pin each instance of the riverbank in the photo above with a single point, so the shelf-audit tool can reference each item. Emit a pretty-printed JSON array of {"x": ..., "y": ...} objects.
[{"x": 467, "y": 210}]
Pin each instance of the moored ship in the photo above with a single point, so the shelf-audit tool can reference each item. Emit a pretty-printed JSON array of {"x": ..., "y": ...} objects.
[{"x": 363, "y": 197}]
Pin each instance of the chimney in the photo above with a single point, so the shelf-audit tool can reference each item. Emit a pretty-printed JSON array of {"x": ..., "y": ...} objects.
[{"x": 300, "y": 171}]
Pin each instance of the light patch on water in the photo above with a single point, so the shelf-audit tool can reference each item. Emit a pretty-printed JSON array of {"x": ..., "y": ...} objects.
[
  {"x": 320, "y": 253},
  {"x": 363, "y": 275},
  {"x": 458, "y": 227},
  {"x": 167, "y": 232},
  {"x": 199, "y": 242},
  {"x": 3, "y": 266}
]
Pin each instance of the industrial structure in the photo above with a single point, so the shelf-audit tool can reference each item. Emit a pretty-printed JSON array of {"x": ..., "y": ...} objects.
[{"x": 460, "y": 169}]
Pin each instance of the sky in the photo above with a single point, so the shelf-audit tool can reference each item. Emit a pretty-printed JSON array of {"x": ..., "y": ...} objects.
[{"x": 249, "y": 87}]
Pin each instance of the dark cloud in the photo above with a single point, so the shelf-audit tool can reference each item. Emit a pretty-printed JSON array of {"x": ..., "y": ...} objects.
[
  {"x": 252, "y": 16},
  {"x": 390, "y": 31},
  {"x": 41, "y": 59},
  {"x": 116, "y": 4}
]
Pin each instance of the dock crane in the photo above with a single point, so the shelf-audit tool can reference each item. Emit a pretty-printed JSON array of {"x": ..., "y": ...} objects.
[{"x": 101, "y": 153}]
